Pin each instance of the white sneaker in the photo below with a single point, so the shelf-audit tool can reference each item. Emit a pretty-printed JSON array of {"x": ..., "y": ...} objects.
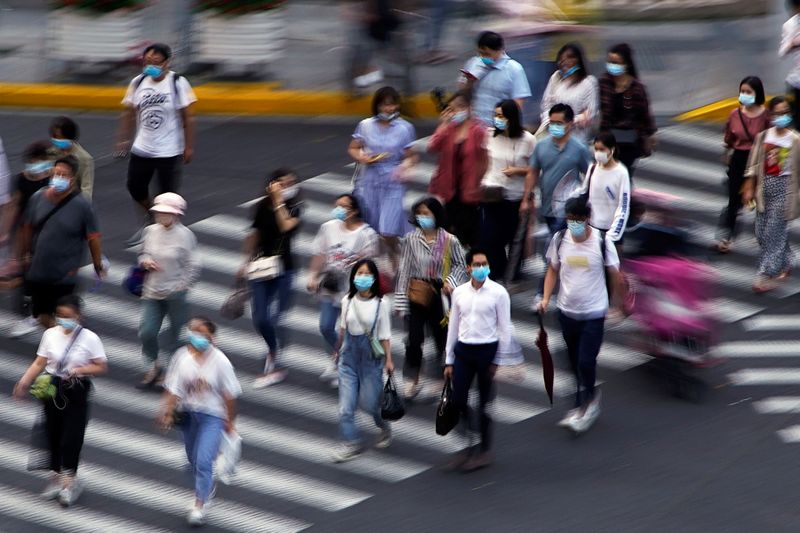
[
  {"x": 274, "y": 377},
  {"x": 412, "y": 390},
  {"x": 23, "y": 327},
  {"x": 52, "y": 490},
  {"x": 371, "y": 78},
  {"x": 330, "y": 373},
  {"x": 583, "y": 423},
  {"x": 384, "y": 439},
  {"x": 334, "y": 383},
  {"x": 571, "y": 416},
  {"x": 69, "y": 495},
  {"x": 346, "y": 452},
  {"x": 197, "y": 516}
]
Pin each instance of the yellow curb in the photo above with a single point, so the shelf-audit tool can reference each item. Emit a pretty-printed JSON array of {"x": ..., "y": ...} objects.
[
  {"x": 713, "y": 112},
  {"x": 216, "y": 98}
]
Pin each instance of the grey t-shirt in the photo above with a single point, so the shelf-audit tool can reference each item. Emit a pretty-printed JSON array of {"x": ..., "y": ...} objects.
[
  {"x": 59, "y": 248},
  {"x": 560, "y": 172}
]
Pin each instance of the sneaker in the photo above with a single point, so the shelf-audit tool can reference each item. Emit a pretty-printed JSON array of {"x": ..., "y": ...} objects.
[
  {"x": 476, "y": 462},
  {"x": 330, "y": 373},
  {"x": 384, "y": 439},
  {"x": 567, "y": 421},
  {"x": 583, "y": 423},
  {"x": 197, "y": 516},
  {"x": 346, "y": 452},
  {"x": 23, "y": 327},
  {"x": 52, "y": 490},
  {"x": 412, "y": 390},
  {"x": 273, "y": 378},
  {"x": 334, "y": 383},
  {"x": 69, "y": 495},
  {"x": 371, "y": 78}
]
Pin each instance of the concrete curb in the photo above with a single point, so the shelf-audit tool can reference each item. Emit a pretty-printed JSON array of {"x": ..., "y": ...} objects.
[
  {"x": 715, "y": 112},
  {"x": 260, "y": 99}
]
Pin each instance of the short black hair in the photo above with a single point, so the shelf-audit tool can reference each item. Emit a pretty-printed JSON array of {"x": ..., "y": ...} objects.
[
  {"x": 206, "y": 322},
  {"x": 375, "y": 290},
  {"x": 383, "y": 94},
  {"x": 355, "y": 205},
  {"x": 68, "y": 128},
  {"x": 473, "y": 252},
  {"x": 755, "y": 83},
  {"x": 491, "y": 40},
  {"x": 778, "y": 100},
  {"x": 464, "y": 94},
  {"x": 569, "y": 114},
  {"x": 578, "y": 207},
  {"x": 71, "y": 300},
  {"x": 435, "y": 207},
  {"x": 71, "y": 162},
  {"x": 511, "y": 111},
  {"x": 577, "y": 51},
  {"x": 160, "y": 48},
  {"x": 608, "y": 140},
  {"x": 624, "y": 51},
  {"x": 37, "y": 151}
]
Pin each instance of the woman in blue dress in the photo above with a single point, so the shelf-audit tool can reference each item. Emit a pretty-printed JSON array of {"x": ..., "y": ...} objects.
[{"x": 382, "y": 147}]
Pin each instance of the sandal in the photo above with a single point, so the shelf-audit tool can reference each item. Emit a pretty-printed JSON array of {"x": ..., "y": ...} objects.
[
  {"x": 723, "y": 247},
  {"x": 763, "y": 284},
  {"x": 150, "y": 378},
  {"x": 783, "y": 275}
]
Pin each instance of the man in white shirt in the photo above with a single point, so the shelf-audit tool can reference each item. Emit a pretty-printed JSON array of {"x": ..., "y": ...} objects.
[
  {"x": 790, "y": 43},
  {"x": 582, "y": 263},
  {"x": 479, "y": 327},
  {"x": 159, "y": 110}
]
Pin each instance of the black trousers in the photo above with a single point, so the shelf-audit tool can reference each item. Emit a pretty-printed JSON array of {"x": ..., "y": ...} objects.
[
  {"x": 730, "y": 213},
  {"x": 142, "y": 169},
  {"x": 66, "y": 418},
  {"x": 796, "y": 105},
  {"x": 463, "y": 221},
  {"x": 475, "y": 360},
  {"x": 418, "y": 318},
  {"x": 628, "y": 154},
  {"x": 499, "y": 223}
]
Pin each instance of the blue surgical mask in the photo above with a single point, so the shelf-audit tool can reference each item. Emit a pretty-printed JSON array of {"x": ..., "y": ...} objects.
[
  {"x": 460, "y": 117},
  {"x": 570, "y": 71},
  {"x": 782, "y": 121},
  {"x": 488, "y": 61},
  {"x": 38, "y": 168},
  {"x": 59, "y": 183},
  {"x": 198, "y": 342},
  {"x": 339, "y": 213},
  {"x": 747, "y": 99},
  {"x": 62, "y": 144},
  {"x": 615, "y": 69},
  {"x": 426, "y": 221},
  {"x": 500, "y": 123},
  {"x": 557, "y": 130},
  {"x": 480, "y": 273},
  {"x": 152, "y": 70},
  {"x": 388, "y": 117},
  {"x": 364, "y": 281},
  {"x": 67, "y": 323},
  {"x": 578, "y": 229}
]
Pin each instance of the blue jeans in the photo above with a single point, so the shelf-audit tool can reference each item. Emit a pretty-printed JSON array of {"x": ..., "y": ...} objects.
[
  {"x": 328, "y": 314},
  {"x": 438, "y": 12},
  {"x": 266, "y": 313},
  {"x": 360, "y": 376},
  {"x": 153, "y": 312},
  {"x": 202, "y": 435},
  {"x": 474, "y": 360},
  {"x": 583, "y": 339}
]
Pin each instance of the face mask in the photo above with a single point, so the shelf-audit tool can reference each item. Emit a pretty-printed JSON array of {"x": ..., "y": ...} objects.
[
  {"x": 601, "y": 157},
  {"x": 480, "y": 273},
  {"x": 59, "y": 183},
  {"x": 747, "y": 99},
  {"x": 363, "y": 281},
  {"x": 198, "y": 342},
  {"x": 500, "y": 123},
  {"x": 67, "y": 323},
  {"x": 615, "y": 69},
  {"x": 782, "y": 121},
  {"x": 152, "y": 71},
  {"x": 570, "y": 71},
  {"x": 460, "y": 117},
  {"x": 557, "y": 130},
  {"x": 488, "y": 61},
  {"x": 426, "y": 222},
  {"x": 290, "y": 192},
  {"x": 578, "y": 229},
  {"x": 62, "y": 144},
  {"x": 38, "y": 168},
  {"x": 339, "y": 213},
  {"x": 165, "y": 219},
  {"x": 388, "y": 117}
]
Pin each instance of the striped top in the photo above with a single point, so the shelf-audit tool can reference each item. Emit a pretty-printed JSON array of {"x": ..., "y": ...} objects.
[{"x": 424, "y": 260}]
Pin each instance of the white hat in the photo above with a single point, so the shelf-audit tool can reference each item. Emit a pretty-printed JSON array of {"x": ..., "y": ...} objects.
[{"x": 169, "y": 202}]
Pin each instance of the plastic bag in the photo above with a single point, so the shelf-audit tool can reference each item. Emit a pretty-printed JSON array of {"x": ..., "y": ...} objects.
[
  {"x": 392, "y": 407},
  {"x": 134, "y": 281},
  {"x": 447, "y": 412},
  {"x": 230, "y": 453}
]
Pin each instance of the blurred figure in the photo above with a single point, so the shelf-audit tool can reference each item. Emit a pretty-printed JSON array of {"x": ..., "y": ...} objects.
[
  {"x": 371, "y": 23},
  {"x": 201, "y": 388},
  {"x": 338, "y": 245},
  {"x": 438, "y": 13},
  {"x": 64, "y": 135},
  {"x": 382, "y": 147},
  {"x": 5, "y": 201},
  {"x": 625, "y": 108},
  {"x": 59, "y": 223},
  {"x": 493, "y": 77},
  {"x": 460, "y": 142},
  {"x": 432, "y": 266},
  {"x": 169, "y": 255},
  {"x": 480, "y": 326},
  {"x": 276, "y": 221},
  {"x": 790, "y": 44},
  {"x": 69, "y": 355},
  {"x": 744, "y": 123},
  {"x": 580, "y": 262},
  {"x": 510, "y": 148},
  {"x": 158, "y": 108},
  {"x": 772, "y": 178},
  {"x": 365, "y": 318},
  {"x": 572, "y": 84}
]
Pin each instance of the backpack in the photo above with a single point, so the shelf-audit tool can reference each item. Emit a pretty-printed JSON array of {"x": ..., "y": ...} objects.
[{"x": 559, "y": 239}]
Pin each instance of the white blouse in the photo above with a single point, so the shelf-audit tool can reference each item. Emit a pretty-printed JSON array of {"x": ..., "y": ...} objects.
[
  {"x": 583, "y": 97},
  {"x": 505, "y": 152}
]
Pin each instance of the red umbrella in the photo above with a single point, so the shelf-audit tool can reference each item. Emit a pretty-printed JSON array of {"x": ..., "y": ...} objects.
[{"x": 548, "y": 372}]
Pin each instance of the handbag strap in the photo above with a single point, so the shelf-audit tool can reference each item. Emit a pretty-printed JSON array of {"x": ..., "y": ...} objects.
[
  {"x": 589, "y": 178},
  {"x": 63, "y": 363},
  {"x": 370, "y": 332},
  {"x": 40, "y": 225},
  {"x": 446, "y": 262},
  {"x": 744, "y": 125}
]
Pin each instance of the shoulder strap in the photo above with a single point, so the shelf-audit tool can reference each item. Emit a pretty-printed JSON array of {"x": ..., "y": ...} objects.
[
  {"x": 377, "y": 314},
  {"x": 559, "y": 238},
  {"x": 744, "y": 125},
  {"x": 138, "y": 80},
  {"x": 589, "y": 177},
  {"x": 63, "y": 362},
  {"x": 175, "y": 92},
  {"x": 40, "y": 225}
]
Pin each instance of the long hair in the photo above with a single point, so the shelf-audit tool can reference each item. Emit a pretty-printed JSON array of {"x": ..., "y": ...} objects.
[
  {"x": 624, "y": 51},
  {"x": 510, "y": 110},
  {"x": 577, "y": 51},
  {"x": 375, "y": 290}
]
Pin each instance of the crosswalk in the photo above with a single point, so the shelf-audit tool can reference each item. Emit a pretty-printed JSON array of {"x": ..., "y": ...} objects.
[{"x": 287, "y": 482}]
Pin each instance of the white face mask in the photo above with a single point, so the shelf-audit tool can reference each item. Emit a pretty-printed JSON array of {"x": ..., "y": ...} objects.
[{"x": 601, "y": 157}]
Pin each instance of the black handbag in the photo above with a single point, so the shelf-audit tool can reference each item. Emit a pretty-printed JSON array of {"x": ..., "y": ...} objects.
[
  {"x": 392, "y": 407},
  {"x": 447, "y": 414}
]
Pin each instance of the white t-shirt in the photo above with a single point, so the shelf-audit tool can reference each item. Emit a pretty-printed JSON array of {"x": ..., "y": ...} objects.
[
  {"x": 159, "y": 131},
  {"x": 341, "y": 248},
  {"x": 609, "y": 197},
  {"x": 202, "y": 386},
  {"x": 582, "y": 292},
  {"x": 365, "y": 310},
  {"x": 87, "y": 348},
  {"x": 791, "y": 29},
  {"x": 503, "y": 153},
  {"x": 781, "y": 149}
]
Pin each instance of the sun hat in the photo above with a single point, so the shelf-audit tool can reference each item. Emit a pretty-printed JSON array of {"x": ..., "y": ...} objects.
[{"x": 170, "y": 203}]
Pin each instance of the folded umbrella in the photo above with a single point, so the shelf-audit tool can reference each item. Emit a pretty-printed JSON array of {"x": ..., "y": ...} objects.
[{"x": 548, "y": 372}]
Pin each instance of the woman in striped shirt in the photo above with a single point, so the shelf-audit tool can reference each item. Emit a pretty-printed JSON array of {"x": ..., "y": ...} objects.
[{"x": 432, "y": 265}]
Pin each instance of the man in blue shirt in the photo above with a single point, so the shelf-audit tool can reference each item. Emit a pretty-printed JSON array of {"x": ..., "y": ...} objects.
[{"x": 493, "y": 77}]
